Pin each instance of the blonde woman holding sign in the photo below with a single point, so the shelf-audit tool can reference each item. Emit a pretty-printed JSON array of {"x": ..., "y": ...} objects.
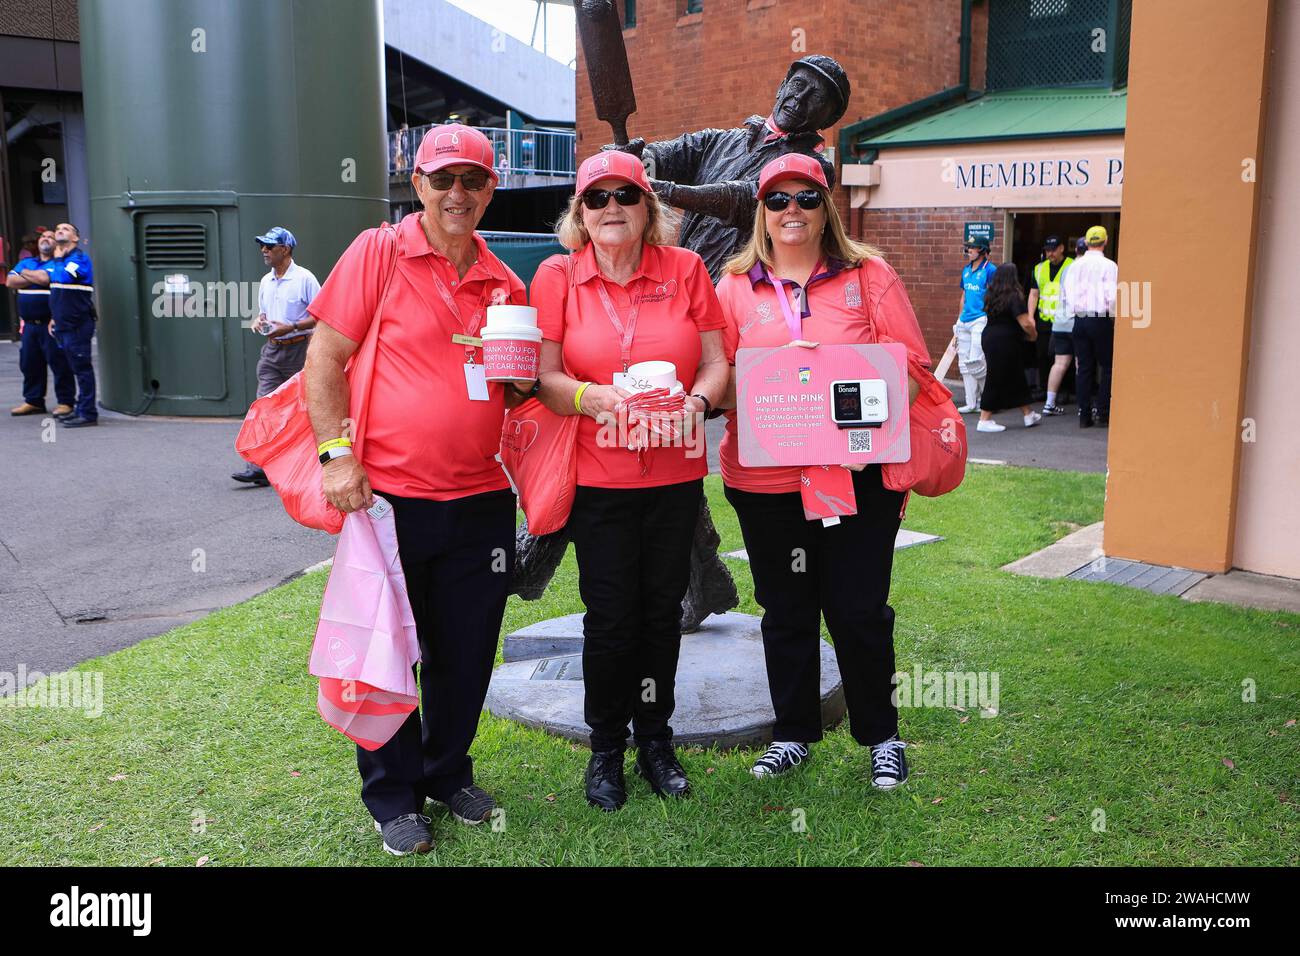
[{"x": 802, "y": 281}]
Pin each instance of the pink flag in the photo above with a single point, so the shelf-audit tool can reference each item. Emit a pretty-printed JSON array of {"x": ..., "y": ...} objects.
[{"x": 365, "y": 648}]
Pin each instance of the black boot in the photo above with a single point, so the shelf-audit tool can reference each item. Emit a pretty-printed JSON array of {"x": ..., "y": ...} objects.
[
  {"x": 606, "y": 788},
  {"x": 657, "y": 762}
]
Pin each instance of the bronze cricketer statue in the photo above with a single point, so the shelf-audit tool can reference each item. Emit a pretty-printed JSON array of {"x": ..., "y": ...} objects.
[{"x": 712, "y": 175}]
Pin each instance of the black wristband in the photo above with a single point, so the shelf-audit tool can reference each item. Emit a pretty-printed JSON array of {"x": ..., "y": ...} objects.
[
  {"x": 708, "y": 405},
  {"x": 533, "y": 390}
]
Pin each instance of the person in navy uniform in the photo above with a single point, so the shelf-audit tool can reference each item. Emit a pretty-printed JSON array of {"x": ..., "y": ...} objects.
[
  {"x": 38, "y": 352},
  {"x": 72, "y": 319}
]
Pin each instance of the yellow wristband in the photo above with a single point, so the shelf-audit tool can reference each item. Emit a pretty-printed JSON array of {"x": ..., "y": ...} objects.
[
  {"x": 577, "y": 396},
  {"x": 325, "y": 446}
]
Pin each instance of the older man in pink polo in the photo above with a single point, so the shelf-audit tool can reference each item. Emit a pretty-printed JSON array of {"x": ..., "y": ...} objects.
[{"x": 432, "y": 431}]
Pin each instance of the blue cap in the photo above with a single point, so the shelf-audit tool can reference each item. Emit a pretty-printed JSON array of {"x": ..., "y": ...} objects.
[{"x": 278, "y": 236}]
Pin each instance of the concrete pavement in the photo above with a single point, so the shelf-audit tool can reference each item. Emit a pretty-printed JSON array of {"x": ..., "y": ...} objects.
[{"x": 133, "y": 527}]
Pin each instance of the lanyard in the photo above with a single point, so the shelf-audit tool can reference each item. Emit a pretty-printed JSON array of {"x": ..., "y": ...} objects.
[
  {"x": 625, "y": 332},
  {"x": 792, "y": 321},
  {"x": 450, "y": 302}
]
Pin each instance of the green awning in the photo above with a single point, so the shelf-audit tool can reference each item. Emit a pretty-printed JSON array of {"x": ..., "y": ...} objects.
[{"x": 1015, "y": 114}]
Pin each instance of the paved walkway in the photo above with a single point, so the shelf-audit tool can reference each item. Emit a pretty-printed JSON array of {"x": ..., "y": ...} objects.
[
  {"x": 135, "y": 524},
  {"x": 1057, "y": 443}
]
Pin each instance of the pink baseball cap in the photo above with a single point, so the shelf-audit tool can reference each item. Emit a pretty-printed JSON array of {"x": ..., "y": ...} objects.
[
  {"x": 451, "y": 145},
  {"x": 612, "y": 164},
  {"x": 791, "y": 166}
]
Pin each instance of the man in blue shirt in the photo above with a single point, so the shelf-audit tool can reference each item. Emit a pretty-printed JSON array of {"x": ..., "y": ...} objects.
[
  {"x": 72, "y": 312},
  {"x": 282, "y": 300},
  {"x": 971, "y": 321},
  {"x": 38, "y": 351}
]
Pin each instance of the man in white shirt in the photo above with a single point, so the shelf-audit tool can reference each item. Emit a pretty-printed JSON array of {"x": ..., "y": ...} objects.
[
  {"x": 282, "y": 300},
  {"x": 1088, "y": 294}
]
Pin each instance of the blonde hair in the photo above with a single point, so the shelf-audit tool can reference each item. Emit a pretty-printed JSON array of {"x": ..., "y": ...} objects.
[
  {"x": 661, "y": 224},
  {"x": 835, "y": 241}
]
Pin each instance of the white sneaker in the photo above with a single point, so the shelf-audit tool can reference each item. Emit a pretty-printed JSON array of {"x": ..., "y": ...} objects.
[
  {"x": 780, "y": 757},
  {"x": 990, "y": 426},
  {"x": 967, "y": 409},
  {"x": 1032, "y": 419}
]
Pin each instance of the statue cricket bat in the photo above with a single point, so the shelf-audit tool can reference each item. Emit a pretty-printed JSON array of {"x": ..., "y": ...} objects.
[{"x": 611, "y": 79}]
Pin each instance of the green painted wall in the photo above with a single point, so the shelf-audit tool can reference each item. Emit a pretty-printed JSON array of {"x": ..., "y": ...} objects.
[{"x": 206, "y": 124}]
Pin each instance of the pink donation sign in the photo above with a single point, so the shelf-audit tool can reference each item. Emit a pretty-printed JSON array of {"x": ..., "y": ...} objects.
[{"x": 784, "y": 398}]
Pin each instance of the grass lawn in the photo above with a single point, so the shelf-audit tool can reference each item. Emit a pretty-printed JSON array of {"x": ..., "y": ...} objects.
[{"x": 1112, "y": 700}]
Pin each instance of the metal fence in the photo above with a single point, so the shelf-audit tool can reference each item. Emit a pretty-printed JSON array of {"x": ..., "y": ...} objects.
[
  {"x": 1057, "y": 43},
  {"x": 523, "y": 157}
]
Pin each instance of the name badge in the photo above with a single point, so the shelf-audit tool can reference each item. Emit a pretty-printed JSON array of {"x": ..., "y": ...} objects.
[
  {"x": 624, "y": 380},
  {"x": 476, "y": 382},
  {"x": 458, "y": 339}
]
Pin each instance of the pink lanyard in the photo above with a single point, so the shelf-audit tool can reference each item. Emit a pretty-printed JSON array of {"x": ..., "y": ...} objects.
[
  {"x": 625, "y": 332},
  {"x": 450, "y": 302},
  {"x": 792, "y": 321}
]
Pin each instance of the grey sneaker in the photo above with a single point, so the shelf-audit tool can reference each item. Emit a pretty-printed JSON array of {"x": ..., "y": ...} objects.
[
  {"x": 471, "y": 805},
  {"x": 407, "y": 834}
]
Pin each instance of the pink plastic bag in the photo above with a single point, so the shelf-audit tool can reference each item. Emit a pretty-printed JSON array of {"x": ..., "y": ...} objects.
[
  {"x": 277, "y": 435},
  {"x": 539, "y": 455},
  {"x": 366, "y": 646}
]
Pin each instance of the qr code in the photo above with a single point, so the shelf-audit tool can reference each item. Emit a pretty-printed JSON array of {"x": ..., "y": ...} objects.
[{"x": 860, "y": 440}]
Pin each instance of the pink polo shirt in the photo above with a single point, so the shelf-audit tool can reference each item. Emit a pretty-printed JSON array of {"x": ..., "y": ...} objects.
[
  {"x": 677, "y": 303},
  {"x": 424, "y": 437},
  {"x": 834, "y": 308}
]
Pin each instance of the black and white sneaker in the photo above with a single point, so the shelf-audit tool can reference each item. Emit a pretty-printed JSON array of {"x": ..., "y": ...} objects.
[
  {"x": 1053, "y": 410},
  {"x": 781, "y": 756},
  {"x": 888, "y": 765},
  {"x": 471, "y": 805},
  {"x": 407, "y": 834}
]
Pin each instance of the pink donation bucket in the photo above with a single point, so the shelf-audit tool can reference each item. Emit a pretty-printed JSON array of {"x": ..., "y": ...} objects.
[{"x": 512, "y": 343}]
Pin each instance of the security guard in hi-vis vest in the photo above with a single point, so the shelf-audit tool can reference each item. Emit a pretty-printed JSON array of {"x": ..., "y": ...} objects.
[{"x": 1055, "y": 349}]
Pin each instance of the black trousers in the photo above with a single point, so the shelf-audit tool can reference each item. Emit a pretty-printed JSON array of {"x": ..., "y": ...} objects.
[
  {"x": 1094, "y": 347},
  {"x": 634, "y": 563},
  {"x": 1042, "y": 350},
  {"x": 457, "y": 557},
  {"x": 803, "y": 570}
]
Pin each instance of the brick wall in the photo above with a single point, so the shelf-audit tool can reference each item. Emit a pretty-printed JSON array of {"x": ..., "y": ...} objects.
[
  {"x": 924, "y": 247},
  {"x": 717, "y": 67}
]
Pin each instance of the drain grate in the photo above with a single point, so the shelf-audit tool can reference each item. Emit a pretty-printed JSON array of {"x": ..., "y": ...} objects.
[{"x": 1138, "y": 574}]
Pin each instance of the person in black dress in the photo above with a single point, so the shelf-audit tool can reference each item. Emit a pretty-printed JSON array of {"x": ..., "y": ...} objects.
[{"x": 1009, "y": 327}]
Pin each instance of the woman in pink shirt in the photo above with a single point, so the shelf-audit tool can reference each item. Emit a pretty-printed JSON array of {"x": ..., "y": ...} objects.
[
  {"x": 626, "y": 296},
  {"x": 801, "y": 281}
]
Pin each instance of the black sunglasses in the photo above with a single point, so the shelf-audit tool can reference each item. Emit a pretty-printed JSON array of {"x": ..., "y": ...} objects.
[
  {"x": 473, "y": 181},
  {"x": 806, "y": 198},
  {"x": 623, "y": 195}
]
